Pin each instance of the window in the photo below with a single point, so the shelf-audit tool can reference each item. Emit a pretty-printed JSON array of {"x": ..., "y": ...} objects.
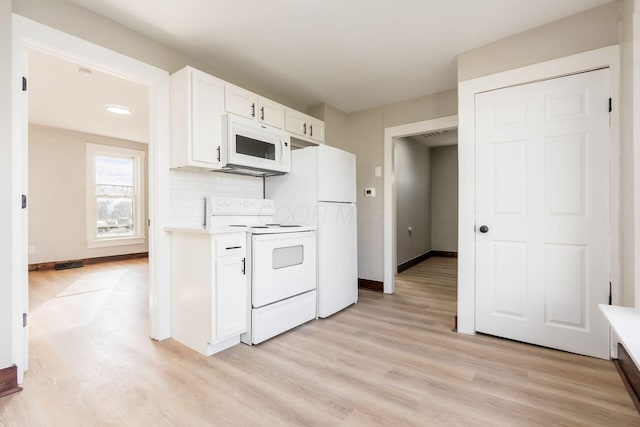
[{"x": 115, "y": 196}]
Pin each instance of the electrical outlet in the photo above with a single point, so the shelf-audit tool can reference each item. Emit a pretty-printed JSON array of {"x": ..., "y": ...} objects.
[
  {"x": 370, "y": 192},
  {"x": 32, "y": 250}
]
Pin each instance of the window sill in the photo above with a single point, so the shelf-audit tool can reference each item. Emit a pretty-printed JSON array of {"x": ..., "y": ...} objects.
[{"x": 117, "y": 241}]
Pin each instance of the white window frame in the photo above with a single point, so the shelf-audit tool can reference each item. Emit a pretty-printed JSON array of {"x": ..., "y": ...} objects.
[{"x": 93, "y": 241}]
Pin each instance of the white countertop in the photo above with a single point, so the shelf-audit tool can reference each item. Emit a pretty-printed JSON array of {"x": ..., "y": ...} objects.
[
  {"x": 625, "y": 321},
  {"x": 223, "y": 229}
]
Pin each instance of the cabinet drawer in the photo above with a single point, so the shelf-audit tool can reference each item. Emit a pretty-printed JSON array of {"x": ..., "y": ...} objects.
[{"x": 231, "y": 246}]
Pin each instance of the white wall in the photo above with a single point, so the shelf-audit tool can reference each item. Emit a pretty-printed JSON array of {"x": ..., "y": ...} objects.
[
  {"x": 444, "y": 198},
  {"x": 588, "y": 30},
  {"x": 188, "y": 190},
  {"x": 57, "y": 194},
  {"x": 6, "y": 267},
  {"x": 365, "y": 138},
  {"x": 627, "y": 153},
  {"x": 413, "y": 198}
]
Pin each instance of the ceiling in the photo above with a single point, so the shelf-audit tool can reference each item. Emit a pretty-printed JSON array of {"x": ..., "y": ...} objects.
[
  {"x": 63, "y": 97},
  {"x": 352, "y": 54}
]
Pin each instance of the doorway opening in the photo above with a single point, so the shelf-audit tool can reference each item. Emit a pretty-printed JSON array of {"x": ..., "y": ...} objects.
[
  {"x": 426, "y": 188},
  {"x": 30, "y": 35},
  {"x": 426, "y": 181},
  {"x": 405, "y": 243},
  {"x": 88, "y": 191}
]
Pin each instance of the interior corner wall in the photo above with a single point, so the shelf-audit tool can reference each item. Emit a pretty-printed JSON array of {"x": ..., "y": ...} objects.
[
  {"x": 58, "y": 195},
  {"x": 444, "y": 198},
  {"x": 588, "y": 30},
  {"x": 413, "y": 199},
  {"x": 73, "y": 19},
  {"x": 364, "y": 136},
  {"x": 6, "y": 180}
]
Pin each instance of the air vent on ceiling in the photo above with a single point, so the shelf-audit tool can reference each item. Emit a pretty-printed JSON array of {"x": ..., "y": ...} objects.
[{"x": 434, "y": 133}]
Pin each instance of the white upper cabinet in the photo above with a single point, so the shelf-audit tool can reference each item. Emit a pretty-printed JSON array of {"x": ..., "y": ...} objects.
[
  {"x": 270, "y": 113},
  {"x": 240, "y": 101},
  {"x": 304, "y": 126},
  {"x": 197, "y": 105},
  {"x": 248, "y": 104}
]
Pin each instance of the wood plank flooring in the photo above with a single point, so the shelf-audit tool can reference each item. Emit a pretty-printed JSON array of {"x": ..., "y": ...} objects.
[{"x": 389, "y": 360}]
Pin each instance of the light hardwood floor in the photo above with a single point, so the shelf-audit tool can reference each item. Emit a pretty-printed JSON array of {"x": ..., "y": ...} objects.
[{"x": 389, "y": 360}]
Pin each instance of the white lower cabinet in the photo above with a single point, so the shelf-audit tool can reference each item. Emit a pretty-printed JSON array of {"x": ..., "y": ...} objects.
[
  {"x": 209, "y": 289},
  {"x": 231, "y": 293}
]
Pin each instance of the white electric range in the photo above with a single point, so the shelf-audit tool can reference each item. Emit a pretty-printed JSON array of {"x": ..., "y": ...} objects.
[{"x": 281, "y": 265}]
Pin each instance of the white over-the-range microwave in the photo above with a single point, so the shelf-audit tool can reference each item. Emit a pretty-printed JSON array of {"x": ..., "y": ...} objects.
[{"x": 251, "y": 148}]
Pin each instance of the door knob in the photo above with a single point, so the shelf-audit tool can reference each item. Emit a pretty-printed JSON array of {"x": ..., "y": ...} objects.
[{"x": 484, "y": 228}]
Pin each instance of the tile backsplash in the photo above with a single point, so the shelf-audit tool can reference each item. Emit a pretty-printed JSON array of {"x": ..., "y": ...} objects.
[{"x": 188, "y": 190}]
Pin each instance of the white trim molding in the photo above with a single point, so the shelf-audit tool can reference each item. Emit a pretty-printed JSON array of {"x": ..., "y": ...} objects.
[
  {"x": 389, "y": 212},
  {"x": 607, "y": 57},
  {"x": 33, "y": 35}
]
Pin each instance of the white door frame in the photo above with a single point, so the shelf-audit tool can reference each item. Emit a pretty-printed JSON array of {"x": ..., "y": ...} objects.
[
  {"x": 606, "y": 57},
  {"x": 389, "y": 212},
  {"x": 28, "y": 33}
]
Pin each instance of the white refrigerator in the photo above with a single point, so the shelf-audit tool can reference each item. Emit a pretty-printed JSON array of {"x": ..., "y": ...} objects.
[{"x": 320, "y": 190}]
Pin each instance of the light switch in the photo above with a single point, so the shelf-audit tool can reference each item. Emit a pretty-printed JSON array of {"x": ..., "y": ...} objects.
[
  {"x": 378, "y": 171},
  {"x": 370, "y": 192}
]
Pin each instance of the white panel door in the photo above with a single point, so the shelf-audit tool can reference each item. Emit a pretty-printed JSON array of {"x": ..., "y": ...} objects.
[
  {"x": 336, "y": 175},
  {"x": 337, "y": 257},
  {"x": 542, "y": 190}
]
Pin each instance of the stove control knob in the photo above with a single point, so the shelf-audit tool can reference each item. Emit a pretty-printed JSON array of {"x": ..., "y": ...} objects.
[{"x": 227, "y": 203}]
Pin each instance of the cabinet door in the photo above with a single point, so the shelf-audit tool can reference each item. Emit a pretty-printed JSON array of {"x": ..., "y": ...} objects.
[
  {"x": 295, "y": 122},
  {"x": 206, "y": 119},
  {"x": 270, "y": 113},
  {"x": 240, "y": 101},
  {"x": 231, "y": 303},
  {"x": 315, "y": 129}
]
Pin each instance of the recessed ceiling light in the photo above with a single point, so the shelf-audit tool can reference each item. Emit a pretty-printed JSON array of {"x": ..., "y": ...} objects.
[{"x": 118, "y": 109}]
